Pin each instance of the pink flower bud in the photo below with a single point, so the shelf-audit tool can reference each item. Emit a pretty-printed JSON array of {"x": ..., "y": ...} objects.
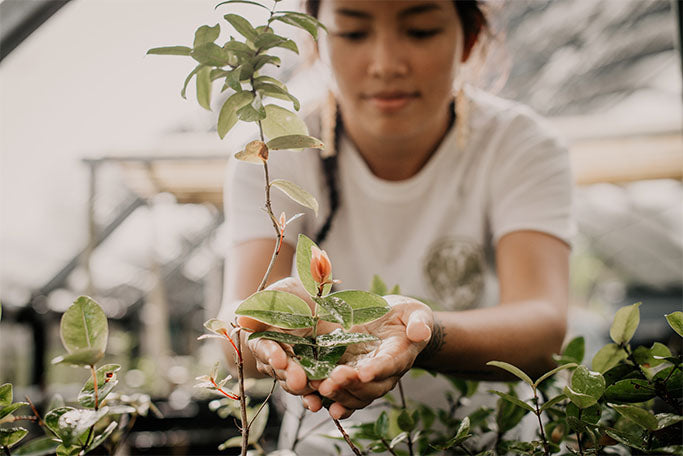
[{"x": 321, "y": 268}]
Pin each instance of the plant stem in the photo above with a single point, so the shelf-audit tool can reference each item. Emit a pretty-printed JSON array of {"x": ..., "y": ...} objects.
[
  {"x": 92, "y": 428},
  {"x": 265, "y": 401},
  {"x": 355, "y": 450},
  {"x": 35, "y": 411},
  {"x": 465, "y": 448},
  {"x": 243, "y": 400},
  {"x": 546, "y": 447},
  {"x": 403, "y": 404},
  {"x": 6, "y": 448},
  {"x": 578, "y": 437},
  {"x": 386, "y": 445}
]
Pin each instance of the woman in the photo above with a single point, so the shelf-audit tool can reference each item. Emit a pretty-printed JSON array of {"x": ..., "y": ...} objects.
[{"x": 419, "y": 193}]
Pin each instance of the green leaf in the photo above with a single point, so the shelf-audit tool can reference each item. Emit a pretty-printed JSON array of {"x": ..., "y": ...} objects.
[
  {"x": 625, "y": 324},
  {"x": 260, "y": 60},
  {"x": 575, "y": 350},
  {"x": 675, "y": 320},
  {"x": 217, "y": 326},
  {"x": 398, "y": 439},
  {"x": 84, "y": 326},
  {"x": 282, "y": 337},
  {"x": 366, "y": 306},
  {"x": 170, "y": 50},
  {"x": 275, "y": 91},
  {"x": 246, "y": 71},
  {"x": 667, "y": 419},
  {"x": 277, "y": 308},
  {"x": 624, "y": 438},
  {"x": 76, "y": 422},
  {"x": 210, "y": 54},
  {"x": 6, "y": 394},
  {"x": 11, "y": 436},
  {"x": 37, "y": 447},
  {"x": 378, "y": 286},
  {"x": 513, "y": 400},
  {"x": 335, "y": 310},
  {"x": 282, "y": 122},
  {"x": 101, "y": 438},
  {"x": 269, "y": 80},
  {"x": 188, "y": 79},
  {"x": 295, "y": 142},
  {"x": 227, "y": 118},
  {"x": 553, "y": 372},
  {"x": 579, "y": 399},
  {"x": 303, "y": 264},
  {"x": 607, "y": 357},
  {"x": 517, "y": 372},
  {"x": 204, "y": 87},
  {"x": 106, "y": 381},
  {"x": 252, "y": 112},
  {"x": 242, "y": 26},
  {"x": 382, "y": 424},
  {"x": 588, "y": 382},
  {"x": 461, "y": 435},
  {"x": 206, "y": 34},
  {"x": 9, "y": 409},
  {"x": 316, "y": 370},
  {"x": 621, "y": 372},
  {"x": 509, "y": 414},
  {"x": 268, "y": 40},
  {"x": 553, "y": 401},
  {"x": 290, "y": 45},
  {"x": 86, "y": 357},
  {"x": 248, "y": 2},
  {"x": 301, "y": 22},
  {"x": 296, "y": 193},
  {"x": 641, "y": 417},
  {"x": 590, "y": 415},
  {"x": 674, "y": 384},
  {"x": 339, "y": 338},
  {"x": 405, "y": 421},
  {"x": 630, "y": 390}
]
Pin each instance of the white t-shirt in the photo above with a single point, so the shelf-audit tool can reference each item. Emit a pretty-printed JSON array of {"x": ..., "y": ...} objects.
[{"x": 431, "y": 233}]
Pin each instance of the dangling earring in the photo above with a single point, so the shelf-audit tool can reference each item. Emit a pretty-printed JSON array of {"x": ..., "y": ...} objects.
[
  {"x": 328, "y": 124},
  {"x": 462, "y": 114}
]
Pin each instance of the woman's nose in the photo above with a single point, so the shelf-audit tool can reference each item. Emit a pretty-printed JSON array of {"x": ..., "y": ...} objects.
[{"x": 386, "y": 59}]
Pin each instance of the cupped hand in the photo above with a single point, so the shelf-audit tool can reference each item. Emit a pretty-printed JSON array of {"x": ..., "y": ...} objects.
[
  {"x": 370, "y": 370},
  {"x": 275, "y": 359}
]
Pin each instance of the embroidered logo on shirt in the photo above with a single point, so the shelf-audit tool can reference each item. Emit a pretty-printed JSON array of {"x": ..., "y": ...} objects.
[{"x": 454, "y": 269}]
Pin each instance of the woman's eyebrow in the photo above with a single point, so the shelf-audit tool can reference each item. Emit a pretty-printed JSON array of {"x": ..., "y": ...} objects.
[
  {"x": 419, "y": 9},
  {"x": 353, "y": 13}
]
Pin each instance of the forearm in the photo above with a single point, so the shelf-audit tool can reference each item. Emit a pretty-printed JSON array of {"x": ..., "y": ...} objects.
[{"x": 524, "y": 334}]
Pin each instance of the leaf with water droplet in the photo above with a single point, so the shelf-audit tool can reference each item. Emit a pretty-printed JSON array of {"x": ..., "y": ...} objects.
[
  {"x": 277, "y": 308},
  {"x": 339, "y": 338}
]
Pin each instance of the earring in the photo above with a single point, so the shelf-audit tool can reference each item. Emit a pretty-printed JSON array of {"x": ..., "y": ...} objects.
[
  {"x": 462, "y": 114},
  {"x": 328, "y": 124}
]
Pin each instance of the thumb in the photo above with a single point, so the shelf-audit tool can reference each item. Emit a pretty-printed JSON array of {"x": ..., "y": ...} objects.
[{"x": 419, "y": 326}]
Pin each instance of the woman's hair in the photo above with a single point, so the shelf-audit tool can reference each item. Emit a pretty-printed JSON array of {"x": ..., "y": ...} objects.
[{"x": 473, "y": 21}]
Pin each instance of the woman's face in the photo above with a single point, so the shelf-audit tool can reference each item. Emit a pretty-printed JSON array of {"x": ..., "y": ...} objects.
[{"x": 393, "y": 61}]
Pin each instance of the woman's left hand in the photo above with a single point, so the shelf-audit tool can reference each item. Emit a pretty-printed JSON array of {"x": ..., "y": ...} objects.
[{"x": 370, "y": 370}]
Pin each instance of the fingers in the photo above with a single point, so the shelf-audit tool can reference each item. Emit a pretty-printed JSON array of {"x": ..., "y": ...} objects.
[
  {"x": 339, "y": 412},
  {"x": 312, "y": 402},
  {"x": 418, "y": 326}
]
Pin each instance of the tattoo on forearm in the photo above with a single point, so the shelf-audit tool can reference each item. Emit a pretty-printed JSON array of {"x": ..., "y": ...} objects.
[{"x": 435, "y": 344}]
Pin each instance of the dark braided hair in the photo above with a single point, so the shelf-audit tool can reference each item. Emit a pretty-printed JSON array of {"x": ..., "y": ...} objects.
[{"x": 329, "y": 167}]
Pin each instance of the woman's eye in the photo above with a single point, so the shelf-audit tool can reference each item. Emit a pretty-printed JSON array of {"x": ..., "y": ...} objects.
[
  {"x": 353, "y": 36},
  {"x": 422, "y": 34}
]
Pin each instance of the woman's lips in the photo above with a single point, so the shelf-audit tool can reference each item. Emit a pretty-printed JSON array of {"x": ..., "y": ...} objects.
[{"x": 391, "y": 101}]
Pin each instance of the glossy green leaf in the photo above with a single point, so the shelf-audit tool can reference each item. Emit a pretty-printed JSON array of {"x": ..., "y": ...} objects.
[
  {"x": 575, "y": 350},
  {"x": 282, "y": 122},
  {"x": 339, "y": 338},
  {"x": 667, "y": 419},
  {"x": 277, "y": 308},
  {"x": 87, "y": 357},
  {"x": 581, "y": 400},
  {"x": 268, "y": 40},
  {"x": 6, "y": 394},
  {"x": 675, "y": 320},
  {"x": 269, "y": 80},
  {"x": 378, "y": 286},
  {"x": 248, "y": 2},
  {"x": 296, "y": 193},
  {"x": 589, "y": 415},
  {"x": 295, "y": 142},
  {"x": 405, "y": 421},
  {"x": 638, "y": 415},
  {"x": 252, "y": 112},
  {"x": 102, "y": 437},
  {"x": 382, "y": 424},
  {"x": 84, "y": 326},
  {"x": 335, "y": 310},
  {"x": 624, "y": 438},
  {"x": 246, "y": 71},
  {"x": 316, "y": 370},
  {"x": 588, "y": 382},
  {"x": 196, "y": 69},
  {"x": 74, "y": 423},
  {"x": 630, "y": 390},
  {"x": 68, "y": 450},
  {"x": 300, "y": 22},
  {"x": 327, "y": 354},
  {"x": 674, "y": 382},
  {"x": 625, "y": 324},
  {"x": 282, "y": 337},
  {"x": 513, "y": 400},
  {"x": 170, "y": 50},
  {"x": 206, "y": 34},
  {"x": 41, "y": 446},
  {"x": 11, "y": 436},
  {"x": 553, "y": 401},
  {"x": 217, "y": 326},
  {"x": 9, "y": 409},
  {"x": 204, "y": 87},
  {"x": 210, "y": 54},
  {"x": 238, "y": 48},
  {"x": 106, "y": 381},
  {"x": 553, "y": 372},
  {"x": 517, "y": 372},
  {"x": 621, "y": 372},
  {"x": 290, "y": 45},
  {"x": 607, "y": 357},
  {"x": 232, "y": 81},
  {"x": 242, "y": 26},
  {"x": 275, "y": 91},
  {"x": 261, "y": 60},
  {"x": 227, "y": 118},
  {"x": 303, "y": 264},
  {"x": 461, "y": 435},
  {"x": 366, "y": 306}
]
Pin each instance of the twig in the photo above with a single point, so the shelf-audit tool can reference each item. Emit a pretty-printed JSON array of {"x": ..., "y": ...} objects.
[
  {"x": 265, "y": 401},
  {"x": 347, "y": 438},
  {"x": 466, "y": 449},
  {"x": 243, "y": 399},
  {"x": 92, "y": 428},
  {"x": 578, "y": 437},
  {"x": 546, "y": 447},
  {"x": 35, "y": 411},
  {"x": 403, "y": 404},
  {"x": 386, "y": 445},
  {"x": 6, "y": 448}
]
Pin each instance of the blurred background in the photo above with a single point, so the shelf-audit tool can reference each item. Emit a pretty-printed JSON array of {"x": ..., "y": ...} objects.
[{"x": 111, "y": 183}]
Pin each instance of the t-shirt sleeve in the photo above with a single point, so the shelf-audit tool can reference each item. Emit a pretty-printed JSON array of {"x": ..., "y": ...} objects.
[
  {"x": 531, "y": 182},
  {"x": 244, "y": 201}
]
